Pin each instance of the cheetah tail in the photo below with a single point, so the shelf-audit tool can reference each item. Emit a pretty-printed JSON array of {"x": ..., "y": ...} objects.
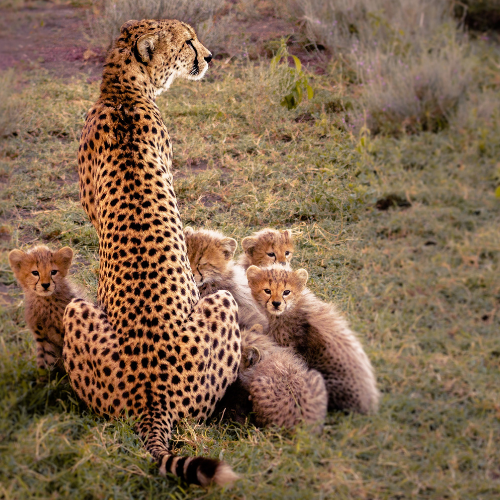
[
  {"x": 194, "y": 470},
  {"x": 197, "y": 470}
]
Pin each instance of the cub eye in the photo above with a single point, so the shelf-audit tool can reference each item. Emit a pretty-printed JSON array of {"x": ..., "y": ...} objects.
[
  {"x": 286, "y": 292},
  {"x": 271, "y": 254},
  {"x": 266, "y": 290},
  {"x": 287, "y": 253},
  {"x": 35, "y": 273},
  {"x": 53, "y": 272}
]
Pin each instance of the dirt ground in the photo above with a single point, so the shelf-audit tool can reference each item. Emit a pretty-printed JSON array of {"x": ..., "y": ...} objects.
[{"x": 50, "y": 36}]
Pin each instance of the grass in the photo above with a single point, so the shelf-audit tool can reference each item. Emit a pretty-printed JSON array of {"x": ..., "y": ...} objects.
[
  {"x": 418, "y": 281},
  {"x": 408, "y": 57}
]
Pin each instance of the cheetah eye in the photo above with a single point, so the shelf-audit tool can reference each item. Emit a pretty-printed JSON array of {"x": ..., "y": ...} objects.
[
  {"x": 266, "y": 290},
  {"x": 287, "y": 253},
  {"x": 286, "y": 292},
  {"x": 271, "y": 254},
  {"x": 190, "y": 43},
  {"x": 35, "y": 273},
  {"x": 53, "y": 272}
]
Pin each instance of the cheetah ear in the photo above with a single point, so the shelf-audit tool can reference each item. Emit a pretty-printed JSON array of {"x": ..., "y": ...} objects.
[
  {"x": 127, "y": 25},
  {"x": 229, "y": 247},
  {"x": 247, "y": 244},
  {"x": 16, "y": 259},
  {"x": 188, "y": 231},
  {"x": 302, "y": 276},
  {"x": 146, "y": 46},
  {"x": 63, "y": 258},
  {"x": 253, "y": 273}
]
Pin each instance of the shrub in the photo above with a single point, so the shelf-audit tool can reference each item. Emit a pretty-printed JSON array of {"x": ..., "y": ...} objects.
[
  {"x": 337, "y": 24},
  {"x": 411, "y": 94},
  {"x": 479, "y": 14},
  {"x": 406, "y": 55}
]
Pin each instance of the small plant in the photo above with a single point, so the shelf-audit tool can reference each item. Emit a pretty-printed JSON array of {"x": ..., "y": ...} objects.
[{"x": 295, "y": 81}]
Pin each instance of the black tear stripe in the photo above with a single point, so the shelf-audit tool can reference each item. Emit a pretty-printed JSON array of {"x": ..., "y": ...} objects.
[{"x": 196, "y": 66}]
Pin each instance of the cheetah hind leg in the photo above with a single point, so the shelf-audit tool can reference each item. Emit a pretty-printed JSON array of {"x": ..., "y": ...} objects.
[
  {"x": 213, "y": 327},
  {"x": 91, "y": 356}
]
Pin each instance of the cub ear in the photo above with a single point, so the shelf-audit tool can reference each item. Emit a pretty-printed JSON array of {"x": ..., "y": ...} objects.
[
  {"x": 250, "y": 356},
  {"x": 302, "y": 276},
  {"x": 287, "y": 233},
  {"x": 63, "y": 258},
  {"x": 146, "y": 46},
  {"x": 253, "y": 273},
  {"x": 247, "y": 244},
  {"x": 257, "y": 328},
  {"x": 16, "y": 258},
  {"x": 188, "y": 230},
  {"x": 229, "y": 247}
]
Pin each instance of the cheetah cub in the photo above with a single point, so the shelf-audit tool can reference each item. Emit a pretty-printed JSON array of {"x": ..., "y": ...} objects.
[
  {"x": 210, "y": 254},
  {"x": 267, "y": 247},
  {"x": 41, "y": 274},
  {"x": 283, "y": 390},
  {"x": 318, "y": 332}
]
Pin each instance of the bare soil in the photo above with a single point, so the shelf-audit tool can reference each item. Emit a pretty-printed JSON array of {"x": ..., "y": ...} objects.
[{"x": 49, "y": 35}]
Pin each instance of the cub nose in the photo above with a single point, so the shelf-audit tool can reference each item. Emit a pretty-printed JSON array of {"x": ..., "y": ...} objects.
[
  {"x": 276, "y": 304},
  {"x": 46, "y": 285},
  {"x": 283, "y": 263},
  {"x": 208, "y": 58}
]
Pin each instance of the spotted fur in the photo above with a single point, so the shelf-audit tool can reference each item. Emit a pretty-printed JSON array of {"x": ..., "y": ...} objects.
[
  {"x": 317, "y": 332},
  {"x": 150, "y": 347}
]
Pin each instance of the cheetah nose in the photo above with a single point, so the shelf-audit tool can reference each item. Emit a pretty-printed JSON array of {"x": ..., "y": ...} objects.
[
  {"x": 276, "y": 304},
  {"x": 208, "y": 58},
  {"x": 46, "y": 285},
  {"x": 283, "y": 263}
]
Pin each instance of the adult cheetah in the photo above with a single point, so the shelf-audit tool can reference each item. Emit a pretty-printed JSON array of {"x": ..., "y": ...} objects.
[{"x": 150, "y": 348}]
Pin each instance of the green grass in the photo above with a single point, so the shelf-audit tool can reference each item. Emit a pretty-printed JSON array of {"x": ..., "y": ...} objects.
[{"x": 420, "y": 285}]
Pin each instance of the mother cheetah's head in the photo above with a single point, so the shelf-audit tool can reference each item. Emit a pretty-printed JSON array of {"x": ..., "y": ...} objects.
[{"x": 166, "y": 49}]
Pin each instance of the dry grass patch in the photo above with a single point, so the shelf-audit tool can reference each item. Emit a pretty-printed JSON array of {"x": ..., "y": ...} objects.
[
  {"x": 11, "y": 107},
  {"x": 201, "y": 14}
]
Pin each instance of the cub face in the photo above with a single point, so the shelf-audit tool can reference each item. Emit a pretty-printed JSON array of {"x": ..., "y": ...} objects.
[
  {"x": 276, "y": 289},
  {"x": 168, "y": 48},
  {"x": 268, "y": 247},
  {"x": 210, "y": 254},
  {"x": 40, "y": 270}
]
